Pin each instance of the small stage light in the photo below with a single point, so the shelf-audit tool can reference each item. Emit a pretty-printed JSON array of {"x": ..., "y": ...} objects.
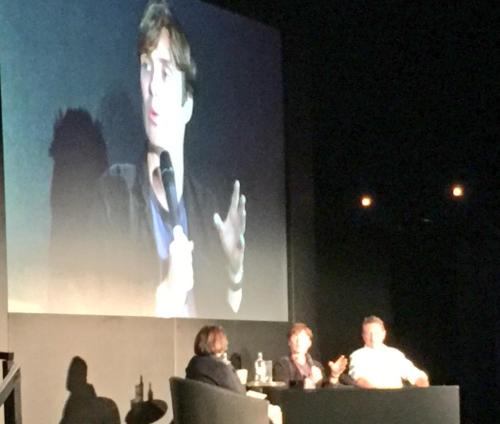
[
  {"x": 366, "y": 201},
  {"x": 457, "y": 191}
]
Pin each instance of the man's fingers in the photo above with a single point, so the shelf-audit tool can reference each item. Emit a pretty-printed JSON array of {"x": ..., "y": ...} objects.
[
  {"x": 178, "y": 232},
  {"x": 242, "y": 205},
  {"x": 241, "y": 242},
  {"x": 218, "y": 222},
  {"x": 242, "y": 213},
  {"x": 235, "y": 197},
  {"x": 180, "y": 241}
]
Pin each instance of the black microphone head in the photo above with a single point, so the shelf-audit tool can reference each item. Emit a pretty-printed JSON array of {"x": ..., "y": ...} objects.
[
  {"x": 168, "y": 180},
  {"x": 165, "y": 162}
]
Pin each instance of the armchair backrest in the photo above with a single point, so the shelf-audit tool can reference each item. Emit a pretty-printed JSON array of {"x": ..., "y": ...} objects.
[{"x": 195, "y": 402}]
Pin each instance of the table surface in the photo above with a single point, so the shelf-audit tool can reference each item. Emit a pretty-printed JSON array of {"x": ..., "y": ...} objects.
[{"x": 256, "y": 384}]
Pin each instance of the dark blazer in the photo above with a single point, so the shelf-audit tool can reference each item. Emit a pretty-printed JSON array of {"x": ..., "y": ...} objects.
[
  {"x": 213, "y": 370},
  {"x": 285, "y": 370},
  {"x": 125, "y": 248}
]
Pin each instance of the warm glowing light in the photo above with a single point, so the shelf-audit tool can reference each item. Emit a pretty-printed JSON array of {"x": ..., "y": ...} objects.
[
  {"x": 366, "y": 201},
  {"x": 457, "y": 191}
]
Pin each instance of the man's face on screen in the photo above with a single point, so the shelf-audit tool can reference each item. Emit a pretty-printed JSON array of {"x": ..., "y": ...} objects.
[
  {"x": 299, "y": 343},
  {"x": 164, "y": 108},
  {"x": 373, "y": 334}
]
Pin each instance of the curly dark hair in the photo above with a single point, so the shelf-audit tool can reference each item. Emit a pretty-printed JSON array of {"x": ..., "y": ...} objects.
[{"x": 158, "y": 15}]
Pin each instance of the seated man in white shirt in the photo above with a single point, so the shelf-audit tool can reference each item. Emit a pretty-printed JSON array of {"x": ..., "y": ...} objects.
[{"x": 377, "y": 365}]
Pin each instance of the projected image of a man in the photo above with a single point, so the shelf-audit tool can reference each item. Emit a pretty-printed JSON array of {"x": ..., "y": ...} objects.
[{"x": 197, "y": 249}]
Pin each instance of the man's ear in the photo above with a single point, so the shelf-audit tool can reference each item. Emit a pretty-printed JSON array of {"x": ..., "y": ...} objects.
[{"x": 187, "y": 108}]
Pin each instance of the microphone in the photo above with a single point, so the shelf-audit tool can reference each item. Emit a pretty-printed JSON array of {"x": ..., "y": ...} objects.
[{"x": 168, "y": 180}]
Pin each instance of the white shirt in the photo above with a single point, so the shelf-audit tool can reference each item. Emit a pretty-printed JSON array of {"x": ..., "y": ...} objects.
[{"x": 383, "y": 367}]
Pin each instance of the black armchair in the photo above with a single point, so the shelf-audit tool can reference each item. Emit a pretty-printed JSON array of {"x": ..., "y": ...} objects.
[{"x": 195, "y": 402}]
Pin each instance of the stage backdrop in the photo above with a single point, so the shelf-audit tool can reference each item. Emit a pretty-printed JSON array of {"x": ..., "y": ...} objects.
[{"x": 72, "y": 107}]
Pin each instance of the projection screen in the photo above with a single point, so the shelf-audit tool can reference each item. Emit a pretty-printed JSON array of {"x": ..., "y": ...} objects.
[{"x": 87, "y": 228}]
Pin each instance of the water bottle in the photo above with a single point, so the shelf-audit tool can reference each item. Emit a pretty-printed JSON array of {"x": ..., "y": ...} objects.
[
  {"x": 260, "y": 369},
  {"x": 225, "y": 359}
]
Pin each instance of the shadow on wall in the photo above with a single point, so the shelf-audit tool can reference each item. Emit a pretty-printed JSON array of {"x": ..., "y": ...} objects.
[
  {"x": 145, "y": 412},
  {"x": 82, "y": 149},
  {"x": 122, "y": 127},
  {"x": 85, "y": 407},
  {"x": 80, "y": 158},
  {"x": 83, "y": 404}
]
